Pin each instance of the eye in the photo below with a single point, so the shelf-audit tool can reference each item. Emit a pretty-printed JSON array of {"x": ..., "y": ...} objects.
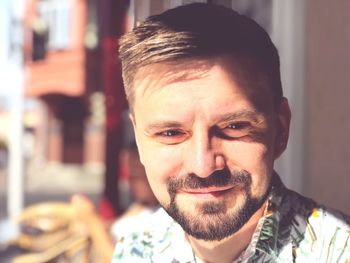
[
  {"x": 171, "y": 136},
  {"x": 236, "y": 130},
  {"x": 238, "y": 126},
  {"x": 169, "y": 133}
]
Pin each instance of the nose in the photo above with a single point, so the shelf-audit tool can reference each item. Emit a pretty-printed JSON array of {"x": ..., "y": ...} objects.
[{"x": 203, "y": 156}]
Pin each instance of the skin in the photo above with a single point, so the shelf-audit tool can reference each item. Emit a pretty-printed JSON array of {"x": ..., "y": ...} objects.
[{"x": 213, "y": 121}]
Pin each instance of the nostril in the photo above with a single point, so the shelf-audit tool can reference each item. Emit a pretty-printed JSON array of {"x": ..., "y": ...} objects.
[{"x": 220, "y": 162}]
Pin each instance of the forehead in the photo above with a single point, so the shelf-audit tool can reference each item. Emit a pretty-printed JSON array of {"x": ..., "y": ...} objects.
[
  {"x": 162, "y": 74},
  {"x": 244, "y": 72}
]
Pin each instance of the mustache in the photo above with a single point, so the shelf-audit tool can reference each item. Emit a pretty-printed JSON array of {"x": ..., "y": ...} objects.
[{"x": 218, "y": 178}]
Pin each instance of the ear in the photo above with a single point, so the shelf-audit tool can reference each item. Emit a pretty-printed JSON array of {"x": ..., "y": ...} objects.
[
  {"x": 132, "y": 119},
  {"x": 282, "y": 127}
]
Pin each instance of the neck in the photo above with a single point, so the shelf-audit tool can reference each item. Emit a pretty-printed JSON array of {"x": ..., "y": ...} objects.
[{"x": 230, "y": 248}]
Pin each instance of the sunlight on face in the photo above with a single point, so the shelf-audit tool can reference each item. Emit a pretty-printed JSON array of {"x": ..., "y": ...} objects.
[{"x": 208, "y": 146}]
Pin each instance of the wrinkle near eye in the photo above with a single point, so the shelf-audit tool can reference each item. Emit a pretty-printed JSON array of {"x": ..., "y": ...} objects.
[{"x": 170, "y": 137}]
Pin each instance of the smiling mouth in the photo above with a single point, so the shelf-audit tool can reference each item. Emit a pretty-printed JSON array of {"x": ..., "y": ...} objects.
[{"x": 208, "y": 192}]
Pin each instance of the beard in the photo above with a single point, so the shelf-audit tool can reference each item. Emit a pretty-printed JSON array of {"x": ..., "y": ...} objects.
[{"x": 213, "y": 221}]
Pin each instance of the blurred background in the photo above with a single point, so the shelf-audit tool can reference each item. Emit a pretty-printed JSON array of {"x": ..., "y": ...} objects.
[{"x": 63, "y": 115}]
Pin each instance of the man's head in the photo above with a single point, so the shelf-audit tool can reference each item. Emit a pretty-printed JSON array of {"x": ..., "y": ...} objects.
[{"x": 204, "y": 88}]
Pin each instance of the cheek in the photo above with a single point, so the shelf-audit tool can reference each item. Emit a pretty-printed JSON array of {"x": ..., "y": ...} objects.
[
  {"x": 248, "y": 155},
  {"x": 163, "y": 160},
  {"x": 257, "y": 159}
]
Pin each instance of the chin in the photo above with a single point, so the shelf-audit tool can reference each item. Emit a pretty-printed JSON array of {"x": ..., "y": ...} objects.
[{"x": 213, "y": 221}]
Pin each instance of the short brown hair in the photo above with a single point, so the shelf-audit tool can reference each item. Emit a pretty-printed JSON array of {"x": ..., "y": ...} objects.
[{"x": 198, "y": 31}]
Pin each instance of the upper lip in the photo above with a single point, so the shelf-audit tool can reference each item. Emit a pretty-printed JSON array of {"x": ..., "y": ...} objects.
[{"x": 207, "y": 190}]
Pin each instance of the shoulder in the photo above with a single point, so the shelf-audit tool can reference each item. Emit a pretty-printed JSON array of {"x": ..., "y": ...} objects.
[
  {"x": 321, "y": 219},
  {"x": 318, "y": 231},
  {"x": 330, "y": 224},
  {"x": 317, "y": 214},
  {"x": 130, "y": 222},
  {"x": 146, "y": 238}
]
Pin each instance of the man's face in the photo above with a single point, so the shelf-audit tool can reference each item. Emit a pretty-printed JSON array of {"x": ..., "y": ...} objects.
[{"x": 208, "y": 144}]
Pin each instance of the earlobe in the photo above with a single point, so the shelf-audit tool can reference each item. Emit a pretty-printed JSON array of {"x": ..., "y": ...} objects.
[{"x": 283, "y": 124}]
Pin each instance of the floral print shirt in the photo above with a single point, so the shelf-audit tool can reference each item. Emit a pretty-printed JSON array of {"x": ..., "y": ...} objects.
[{"x": 293, "y": 229}]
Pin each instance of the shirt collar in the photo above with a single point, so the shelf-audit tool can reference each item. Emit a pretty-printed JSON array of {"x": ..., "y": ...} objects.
[{"x": 267, "y": 240}]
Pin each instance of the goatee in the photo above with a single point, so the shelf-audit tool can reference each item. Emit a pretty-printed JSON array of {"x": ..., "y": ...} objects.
[{"x": 212, "y": 221}]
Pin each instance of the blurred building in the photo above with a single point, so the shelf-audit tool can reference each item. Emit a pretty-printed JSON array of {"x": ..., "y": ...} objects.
[
  {"x": 55, "y": 65},
  {"x": 72, "y": 68}
]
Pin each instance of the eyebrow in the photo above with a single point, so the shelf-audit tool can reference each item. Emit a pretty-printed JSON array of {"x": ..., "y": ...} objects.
[
  {"x": 244, "y": 114},
  {"x": 163, "y": 125}
]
